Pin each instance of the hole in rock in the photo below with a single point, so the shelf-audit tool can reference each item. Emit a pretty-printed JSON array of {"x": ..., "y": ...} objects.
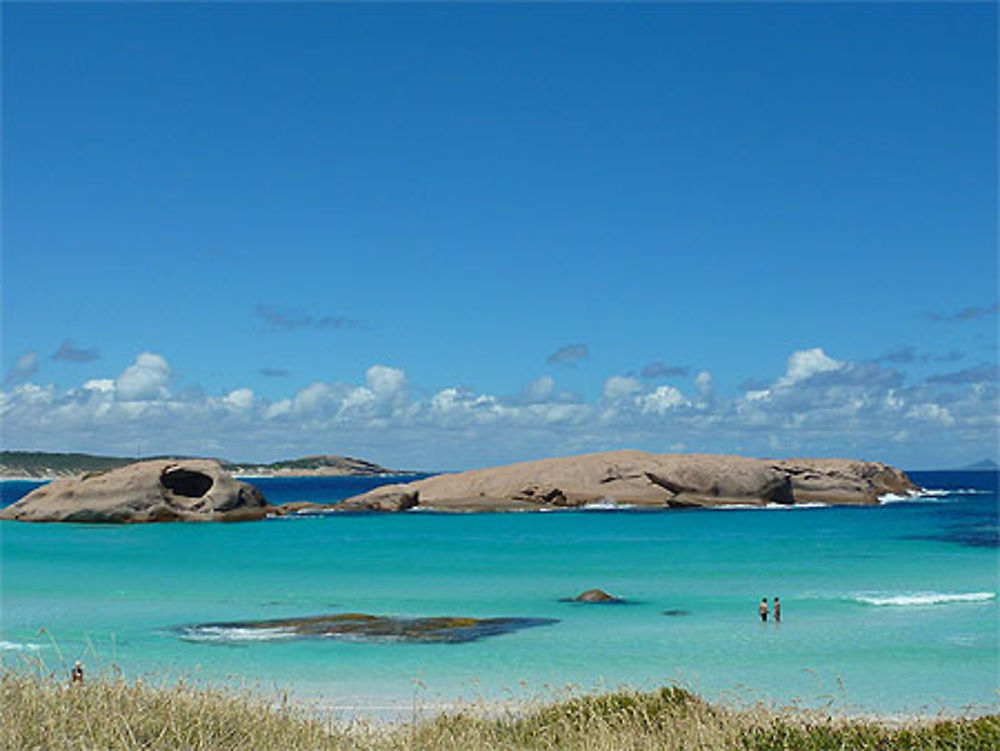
[{"x": 187, "y": 483}]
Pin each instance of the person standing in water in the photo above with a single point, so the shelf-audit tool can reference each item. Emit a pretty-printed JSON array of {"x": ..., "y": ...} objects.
[
  {"x": 777, "y": 610},
  {"x": 76, "y": 674},
  {"x": 762, "y": 609}
]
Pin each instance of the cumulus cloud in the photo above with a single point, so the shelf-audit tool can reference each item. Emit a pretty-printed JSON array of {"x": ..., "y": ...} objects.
[
  {"x": 807, "y": 363},
  {"x": 277, "y": 320},
  {"x": 241, "y": 399},
  {"x": 101, "y": 385},
  {"x": 386, "y": 381},
  {"x": 970, "y": 313},
  {"x": 146, "y": 379},
  {"x": 661, "y": 400},
  {"x": 819, "y": 405},
  {"x": 25, "y": 367},
  {"x": 69, "y": 352},
  {"x": 617, "y": 388},
  {"x": 569, "y": 354},
  {"x": 657, "y": 369}
]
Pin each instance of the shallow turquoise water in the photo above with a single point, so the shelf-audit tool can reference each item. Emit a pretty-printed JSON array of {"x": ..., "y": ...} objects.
[{"x": 885, "y": 609}]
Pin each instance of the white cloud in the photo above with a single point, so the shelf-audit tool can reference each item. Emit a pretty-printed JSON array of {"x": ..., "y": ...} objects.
[
  {"x": 445, "y": 400},
  {"x": 661, "y": 401},
  {"x": 239, "y": 399},
  {"x": 703, "y": 382},
  {"x": 820, "y": 405},
  {"x": 314, "y": 398},
  {"x": 893, "y": 402},
  {"x": 932, "y": 413},
  {"x": 146, "y": 379},
  {"x": 541, "y": 389},
  {"x": 621, "y": 387},
  {"x": 102, "y": 385},
  {"x": 805, "y": 364},
  {"x": 385, "y": 381},
  {"x": 278, "y": 409}
]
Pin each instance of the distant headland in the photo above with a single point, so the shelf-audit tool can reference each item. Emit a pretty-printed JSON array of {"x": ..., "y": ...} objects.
[{"x": 46, "y": 465}]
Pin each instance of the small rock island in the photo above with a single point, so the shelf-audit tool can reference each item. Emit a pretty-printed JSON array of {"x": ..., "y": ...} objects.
[{"x": 638, "y": 478}]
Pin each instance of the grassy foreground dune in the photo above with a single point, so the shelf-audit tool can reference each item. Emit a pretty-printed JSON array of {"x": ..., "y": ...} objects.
[{"x": 112, "y": 714}]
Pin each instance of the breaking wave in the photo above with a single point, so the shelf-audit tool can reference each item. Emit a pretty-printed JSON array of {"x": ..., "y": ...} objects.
[
  {"x": 925, "y": 598},
  {"x": 14, "y": 646},
  {"x": 606, "y": 506},
  {"x": 929, "y": 494},
  {"x": 230, "y": 634}
]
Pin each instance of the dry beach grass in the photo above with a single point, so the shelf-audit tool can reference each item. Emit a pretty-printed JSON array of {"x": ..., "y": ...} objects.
[{"x": 111, "y": 714}]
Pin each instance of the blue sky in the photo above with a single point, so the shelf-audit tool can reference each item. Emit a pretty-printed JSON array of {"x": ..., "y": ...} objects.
[{"x": 453, "y": 235}]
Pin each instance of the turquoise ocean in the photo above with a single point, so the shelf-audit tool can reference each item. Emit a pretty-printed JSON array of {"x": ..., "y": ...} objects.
[{"x": 885, "y": 609}]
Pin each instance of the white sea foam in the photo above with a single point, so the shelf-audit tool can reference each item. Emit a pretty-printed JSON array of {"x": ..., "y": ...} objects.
[
  {"x": 914, "y": 495},
  {"x": 930, "y": 493},
  {"x": 235, "y": 634},
  {"x": 925, "y": 598},
  {"x": 606, "y": 505},
  {"x": 895, "y": 497},
  {"x": 14, "y": 646}
]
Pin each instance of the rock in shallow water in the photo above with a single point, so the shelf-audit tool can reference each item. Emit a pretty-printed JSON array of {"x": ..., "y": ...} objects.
[
  {"x": 361, "y": 626},
  {"x": 596, "y": 596}
]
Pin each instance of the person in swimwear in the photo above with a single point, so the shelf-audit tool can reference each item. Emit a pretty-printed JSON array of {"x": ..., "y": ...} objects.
[
  {"x": 777, "y": 610},
  {"x": 762, "y": 609}
]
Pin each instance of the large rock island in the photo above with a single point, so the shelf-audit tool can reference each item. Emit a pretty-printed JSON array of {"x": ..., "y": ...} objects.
[
  {"x": 152, "y": 491},
  {"x": 637, "y": 478}
]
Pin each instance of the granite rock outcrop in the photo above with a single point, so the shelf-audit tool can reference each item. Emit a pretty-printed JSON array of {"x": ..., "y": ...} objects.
[
  {"x": 158, "y": 490},
  {"x": 638, "y": 478}
]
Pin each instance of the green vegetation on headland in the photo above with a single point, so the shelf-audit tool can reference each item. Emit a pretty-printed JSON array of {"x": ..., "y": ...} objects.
[
  {"x": 45, "y": 464},
  {"x": 112, "y": 714}
]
